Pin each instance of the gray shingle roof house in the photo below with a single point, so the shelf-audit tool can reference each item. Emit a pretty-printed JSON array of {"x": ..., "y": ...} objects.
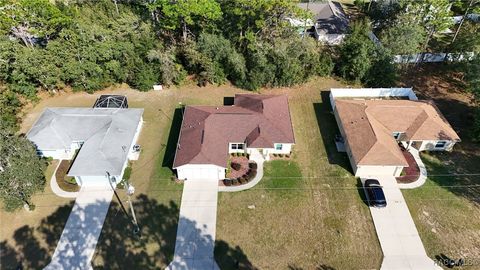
[
  {"x": 330, "y": 21},
  {"x": 104, "y": 138}
]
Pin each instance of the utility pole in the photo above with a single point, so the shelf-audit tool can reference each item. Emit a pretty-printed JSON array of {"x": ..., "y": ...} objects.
[
  {"x": 130, "y": 190},
  {"x": 136, "y": 228}
]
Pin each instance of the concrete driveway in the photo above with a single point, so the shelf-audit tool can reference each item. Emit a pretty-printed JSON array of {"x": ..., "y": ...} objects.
[
  {"x": 196, "y": 228},
  {"x": 401, "y": 245},
  {"x": 79, "y": 238}
]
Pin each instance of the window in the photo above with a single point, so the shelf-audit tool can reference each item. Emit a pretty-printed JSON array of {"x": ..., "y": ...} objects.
[
  {"x": 278, "y": 146},
  {"x": 440, "y": 144},
  {"x": 236, "y": 146},
  {"x": 397, "y": 135}
]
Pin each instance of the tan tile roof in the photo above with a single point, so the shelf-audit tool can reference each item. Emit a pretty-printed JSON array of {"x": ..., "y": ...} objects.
[
  {"x": 257, "y": 120},
  {"x": 369, "y": 127}
]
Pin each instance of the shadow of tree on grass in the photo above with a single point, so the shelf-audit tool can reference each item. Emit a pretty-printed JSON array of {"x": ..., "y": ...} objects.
[{"x": 117, "y": 247}]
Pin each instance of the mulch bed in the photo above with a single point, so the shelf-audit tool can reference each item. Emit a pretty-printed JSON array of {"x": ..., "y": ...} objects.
[
  {"x": 412, "y": 172},
  {"x": 60, "y": 176},
  {"x": 243, "y": 162}
]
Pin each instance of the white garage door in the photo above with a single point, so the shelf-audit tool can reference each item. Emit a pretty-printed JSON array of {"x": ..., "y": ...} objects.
[{"x": 198, "y": 173}]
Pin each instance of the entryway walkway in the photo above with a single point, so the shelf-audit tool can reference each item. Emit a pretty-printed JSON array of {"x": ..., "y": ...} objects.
[
  {"x": 56, "y": 188},
  {"x": 401, "y": 245},
  {"x": 423, "y": 171},
  {"x": 259, "y": 159},
  {"x": 79, "y": 238},
  {"x": 196, "y": 228}
]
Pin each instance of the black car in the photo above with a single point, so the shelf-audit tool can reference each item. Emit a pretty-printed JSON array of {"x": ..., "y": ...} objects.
[{"x": 375, "y": 193}]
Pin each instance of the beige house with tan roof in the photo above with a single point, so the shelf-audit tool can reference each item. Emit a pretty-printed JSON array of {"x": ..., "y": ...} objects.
[
  {"x": 209, "y": 134},
  {"x": 373, "y": 126}
]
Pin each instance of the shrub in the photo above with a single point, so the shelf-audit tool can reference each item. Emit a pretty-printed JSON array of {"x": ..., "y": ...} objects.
[
  {"x": 252, "y": 165},
  {"x": 127, "y": 173},
  {"x": 236, "y": 166},
  {"x": 70, "y": 180}
]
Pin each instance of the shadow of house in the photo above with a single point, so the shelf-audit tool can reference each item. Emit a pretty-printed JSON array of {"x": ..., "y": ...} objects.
[
  {"x": 329, "y": 129},
  {"x": 173, "y": 136},
  {"x": 118, "y": 247}
]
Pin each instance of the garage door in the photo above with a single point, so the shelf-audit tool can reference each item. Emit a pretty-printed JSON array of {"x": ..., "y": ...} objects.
[{"x": 198, "y": 173}]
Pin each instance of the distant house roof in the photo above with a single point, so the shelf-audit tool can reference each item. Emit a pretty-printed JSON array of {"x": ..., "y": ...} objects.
[
  {"x": 257, "y": 120},
  {"x": 107, "y": 136},
  {"x": 330, "y": 17},
  {"x": 111, "y": 101},
  {"x": 369, "y": 126}
]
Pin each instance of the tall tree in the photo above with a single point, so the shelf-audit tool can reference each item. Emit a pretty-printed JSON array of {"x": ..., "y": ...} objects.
[
  {"x": 356, "y": 52},
  {"x": 21, "y": 171},
  {"x": 31, "y": 20},
  {"x": 183, "y": 14}
]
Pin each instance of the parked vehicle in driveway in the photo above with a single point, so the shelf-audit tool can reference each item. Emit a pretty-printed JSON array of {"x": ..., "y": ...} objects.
[{"x": 374, "y": 191}]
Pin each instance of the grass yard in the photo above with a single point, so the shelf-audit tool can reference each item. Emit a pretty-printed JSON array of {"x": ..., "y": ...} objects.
[
  {"x": 446, "y": 210},
  {"x": 308, "y": 213},
  {"x": 298, "y": 205}
]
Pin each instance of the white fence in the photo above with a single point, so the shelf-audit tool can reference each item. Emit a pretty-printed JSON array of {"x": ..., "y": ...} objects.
[
  {"x": 370, "y": 92},
  {"x": 433, "y": 57}
]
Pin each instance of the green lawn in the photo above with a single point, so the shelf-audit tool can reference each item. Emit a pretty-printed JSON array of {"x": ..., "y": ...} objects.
[
  {"x": 308, "y": 213},
  {"x": 446, "y": 209}
]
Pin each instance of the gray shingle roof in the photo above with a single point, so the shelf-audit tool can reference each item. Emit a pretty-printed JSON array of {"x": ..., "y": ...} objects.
[
  {"x": 329, "y": 17},
  {"x": 107, "y": 134}
]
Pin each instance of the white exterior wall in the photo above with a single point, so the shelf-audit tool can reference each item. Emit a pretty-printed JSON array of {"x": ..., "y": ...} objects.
[
  {"x": 430, "y": 146},
  {"x": 98, "y": 180},
  {"x": 200, "y": 171},
  {"x": 286, "y": 149},
  {"x": 132, "y": 155},
  {"x": 370, "y": 92},
  {"x": 378, "y": 170},
  {"x": 56, "y": 154}
]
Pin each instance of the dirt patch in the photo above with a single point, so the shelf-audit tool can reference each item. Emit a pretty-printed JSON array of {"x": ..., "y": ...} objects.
[{"x": 444, "y": 85}]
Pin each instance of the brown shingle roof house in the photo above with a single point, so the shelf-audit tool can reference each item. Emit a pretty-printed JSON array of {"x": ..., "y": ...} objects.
[
  {"x": 373, "y": 128},
  {"x": 209, "y": 134}
]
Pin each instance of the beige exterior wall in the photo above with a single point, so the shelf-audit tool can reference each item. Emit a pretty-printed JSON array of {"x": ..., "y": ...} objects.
[{"x": 365, "y": 171}]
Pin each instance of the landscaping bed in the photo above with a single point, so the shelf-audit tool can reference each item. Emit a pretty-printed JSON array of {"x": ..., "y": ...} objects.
[
  {"x": 65, "y": 182},
  {"x": 411, "y": 173},
  {"x": 241, "y": 171}
]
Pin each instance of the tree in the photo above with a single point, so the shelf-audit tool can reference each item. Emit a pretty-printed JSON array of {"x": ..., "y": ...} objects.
[
  {"x": 433, "y": 15},
  {"x": 403, "y": 37},
  {"x": 356, "y": 52},
  {"x": 31, "y": 20},
  {"x": 383, "y": 72},
  {"x": 9, "y": 107},
  {"x": 21, "y": 170},
  {"x": 183, "y": 14},
  {"x": 246, "y": 21},
  {"x": 472, "y": 76}
]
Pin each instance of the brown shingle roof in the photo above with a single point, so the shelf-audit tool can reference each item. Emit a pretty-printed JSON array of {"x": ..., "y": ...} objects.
[
  {"x": 369, "y": 127},
  {"x": 258, "y": 120}
]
